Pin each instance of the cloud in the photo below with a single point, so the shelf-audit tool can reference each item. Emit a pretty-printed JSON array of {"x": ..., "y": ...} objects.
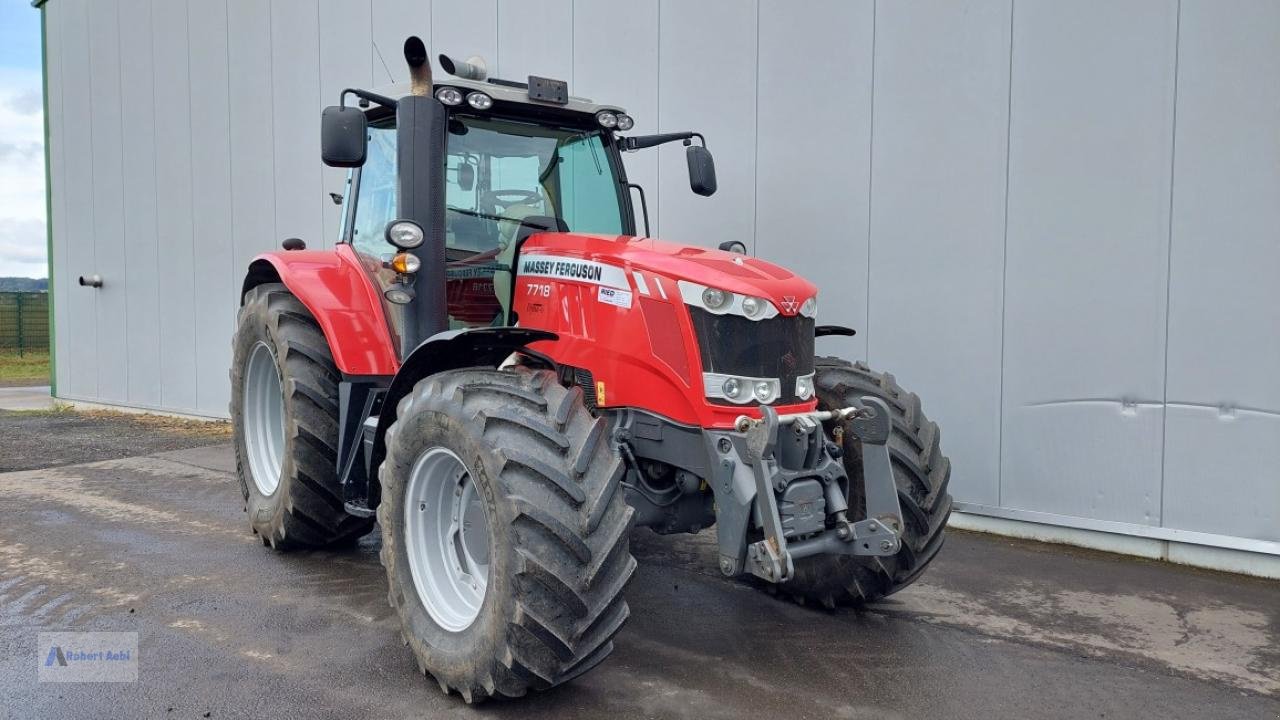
[
  {"x": 22, "y": 197},
  {"x": 22, "y": 247},
  {"x": 20, "y": 152},
  {"x": 28, "y": 103}
]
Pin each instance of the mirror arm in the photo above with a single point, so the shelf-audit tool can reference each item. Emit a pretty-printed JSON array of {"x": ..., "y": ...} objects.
[
  {"x": 639, "y": 142},
  {"x": 382, "y": 100}
]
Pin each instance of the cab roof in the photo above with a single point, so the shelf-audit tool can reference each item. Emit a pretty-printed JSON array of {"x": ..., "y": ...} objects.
[{"x": 503, "y": 91}]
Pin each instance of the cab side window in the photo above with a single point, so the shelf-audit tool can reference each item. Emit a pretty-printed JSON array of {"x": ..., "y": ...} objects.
[{"x": 376, "y": 194}]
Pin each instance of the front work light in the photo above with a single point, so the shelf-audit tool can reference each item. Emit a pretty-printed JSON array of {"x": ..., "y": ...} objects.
[
  {"x": 625, "y": 122},
  {"x": 404, "y": 234},
  {"x": 479, "y": 100},
  {"x": 607, "y": 119},
  {"x": 399, "y": 294},
  {"x": 449, "y": 96}
]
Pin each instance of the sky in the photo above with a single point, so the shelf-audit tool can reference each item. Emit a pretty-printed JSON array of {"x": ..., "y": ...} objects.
[{"x": 22, "y": 197}]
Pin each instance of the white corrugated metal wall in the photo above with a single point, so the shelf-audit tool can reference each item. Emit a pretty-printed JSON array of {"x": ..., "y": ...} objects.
[{"x": 1058, "y": 222}]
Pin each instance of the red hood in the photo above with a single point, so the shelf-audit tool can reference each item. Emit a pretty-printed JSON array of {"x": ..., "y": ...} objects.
[{"x": 713, "y": 268}]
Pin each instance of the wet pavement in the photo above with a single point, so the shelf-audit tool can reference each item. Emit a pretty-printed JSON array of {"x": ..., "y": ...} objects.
[{"x": 154, "y": 541}]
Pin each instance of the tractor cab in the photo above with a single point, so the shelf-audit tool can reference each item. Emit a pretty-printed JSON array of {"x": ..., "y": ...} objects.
[{"x": 519, "y": 158}]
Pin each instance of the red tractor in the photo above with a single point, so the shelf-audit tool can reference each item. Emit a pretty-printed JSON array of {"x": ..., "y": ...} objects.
[{"x": 500, "y": 371}]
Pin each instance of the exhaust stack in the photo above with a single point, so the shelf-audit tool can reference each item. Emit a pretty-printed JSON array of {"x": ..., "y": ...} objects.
[
  {"x": 473, "y": 68},
  {"x": 415, "y": 54}
]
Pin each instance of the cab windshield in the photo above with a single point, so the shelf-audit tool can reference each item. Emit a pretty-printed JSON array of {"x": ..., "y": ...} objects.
[
  {"x": 499, "y": 173},
  {"x": 502, "y": 171}
]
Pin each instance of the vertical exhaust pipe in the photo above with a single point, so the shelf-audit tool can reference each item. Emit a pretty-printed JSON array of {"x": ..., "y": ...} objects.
[
  {"x": 415, "y": 54},
  {"x": 421, "y": 141}
]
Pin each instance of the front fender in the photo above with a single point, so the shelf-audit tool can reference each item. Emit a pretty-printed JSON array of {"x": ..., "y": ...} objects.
[
  {"x": 341, "y": 296},
  {"x": 449, "y": 350}
]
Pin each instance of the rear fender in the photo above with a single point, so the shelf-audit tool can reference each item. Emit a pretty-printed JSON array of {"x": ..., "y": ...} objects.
[
  {"x": 449, "y": 350},
  {"x": 342, "y": 298}
]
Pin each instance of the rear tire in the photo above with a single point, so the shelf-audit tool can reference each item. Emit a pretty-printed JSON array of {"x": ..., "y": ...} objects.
[
  {"x": 557, "y": 558},
  {"x": 286, "y": 425},
  {"x": 922, "y": 473}
]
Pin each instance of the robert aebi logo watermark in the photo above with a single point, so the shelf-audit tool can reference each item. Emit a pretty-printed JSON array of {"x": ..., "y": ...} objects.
[{"x": 88, "y": 657}]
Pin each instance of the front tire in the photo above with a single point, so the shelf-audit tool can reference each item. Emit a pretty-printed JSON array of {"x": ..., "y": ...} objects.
[
  {"x": 284, "y": 410},
  {"x": 921, "y": 473},
  {"x": 539, "y": 600}
]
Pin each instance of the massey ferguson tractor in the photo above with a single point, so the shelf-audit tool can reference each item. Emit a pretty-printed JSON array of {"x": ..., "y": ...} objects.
[{"x": 494, "y": 366}]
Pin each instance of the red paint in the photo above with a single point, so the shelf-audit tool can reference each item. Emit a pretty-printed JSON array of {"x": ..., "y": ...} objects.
[
  {"x": 342, "y": 297},
  {"x": 633, "y": 351},
  {"x": 646, "y": 355}
]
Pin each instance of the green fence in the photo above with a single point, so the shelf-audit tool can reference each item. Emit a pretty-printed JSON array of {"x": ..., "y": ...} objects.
[{"x": 24, "y": 322}]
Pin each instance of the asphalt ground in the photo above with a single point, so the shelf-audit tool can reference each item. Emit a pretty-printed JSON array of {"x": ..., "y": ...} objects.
[{"x": 127, "y": 527}]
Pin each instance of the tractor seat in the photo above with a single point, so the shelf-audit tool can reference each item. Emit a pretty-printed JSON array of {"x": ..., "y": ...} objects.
[{"x": 508, "y": 233}]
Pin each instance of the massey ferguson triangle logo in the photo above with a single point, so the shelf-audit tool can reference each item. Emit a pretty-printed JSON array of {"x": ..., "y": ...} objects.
[{"x": 789, "y": 304}]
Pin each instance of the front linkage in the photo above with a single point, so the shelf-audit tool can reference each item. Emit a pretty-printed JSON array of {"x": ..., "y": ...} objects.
[
  {"x": 783, "y": 468},
  {"x": 782, "y": 480}
]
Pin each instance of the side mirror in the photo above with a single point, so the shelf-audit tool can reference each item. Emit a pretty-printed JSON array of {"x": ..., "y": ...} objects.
[
  {"x": 466, "y": 177},
  {"x": 702, "y": 170},
  {"x": 343, "y": 137}
]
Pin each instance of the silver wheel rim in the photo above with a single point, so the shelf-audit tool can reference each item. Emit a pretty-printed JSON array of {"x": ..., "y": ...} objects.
[
  {"x": 446, "y": 531},
  {"x": 264, "y": 418}
]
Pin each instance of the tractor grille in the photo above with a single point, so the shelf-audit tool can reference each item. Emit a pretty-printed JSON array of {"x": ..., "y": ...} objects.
[{"x": 780, "y": 347}]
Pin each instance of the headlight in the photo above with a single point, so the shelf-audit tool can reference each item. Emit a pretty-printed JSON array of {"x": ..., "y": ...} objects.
[
  {"x": 715, "y": 299},
  {"x": 479, "y": 101},
  {"x": 741, "y": 390},
  {"x": 625, "y": 122},
  {"x": 752, "y": 306},
  {"x": 404, "y": 234},
  {"x": 607, "y": 119},
  {"x": 449, "y": 96},
  {"x": 810, "y": 307},
  {"x": 723, "y": 302},
  {"x": 804, "y": 386}
]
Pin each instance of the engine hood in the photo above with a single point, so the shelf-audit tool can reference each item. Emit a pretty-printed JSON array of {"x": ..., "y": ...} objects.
[{"x": 710, "y": 267}]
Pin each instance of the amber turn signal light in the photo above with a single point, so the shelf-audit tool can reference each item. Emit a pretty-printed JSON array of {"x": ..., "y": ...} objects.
[{"x": 405, "y": 264}]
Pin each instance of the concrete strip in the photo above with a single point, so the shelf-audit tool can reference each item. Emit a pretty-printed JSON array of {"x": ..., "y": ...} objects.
[
  {"x": 26, "y": 398},
  {"x": 1212, "y": 558}
]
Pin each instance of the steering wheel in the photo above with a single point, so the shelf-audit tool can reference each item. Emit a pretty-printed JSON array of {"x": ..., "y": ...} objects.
[{"x": 507, "y": 198}]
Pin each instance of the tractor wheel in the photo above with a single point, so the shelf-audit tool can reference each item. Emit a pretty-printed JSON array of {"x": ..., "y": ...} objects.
[
  {"x": 504, "y": 535},
  {"x": 922, "y": 473},
  {"x": 284, "y": 408}
]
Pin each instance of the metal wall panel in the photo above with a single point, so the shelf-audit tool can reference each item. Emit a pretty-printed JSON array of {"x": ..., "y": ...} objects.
[
  {"x": 460, "y": 28},
  {"x": 1089, "y": 171},
  {"x": 173, "y": 146},
  {"x": 346, "y": 31},
  {"x": 536, "y": 38},
  {"x": 54, "y": 18},
  {"x": 802, "y": 176},
  {"x": 211, "y": 197},
  {"x": 1224, "y": 296},
  {"x": 394, "y": 21},
  {"x": 295, "y": 84},
  {"x": 598, "y": 63},
  {"x": 108, "y": 201},
  {"x": 937, "y": 221},
  {"x": 707, "y": 82},
  {"x": 252, "y": 132},
  {"x": 141, "y": 243},
  {"x": 995, "y": 199},
  {"x": 81, "y": 328}
]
